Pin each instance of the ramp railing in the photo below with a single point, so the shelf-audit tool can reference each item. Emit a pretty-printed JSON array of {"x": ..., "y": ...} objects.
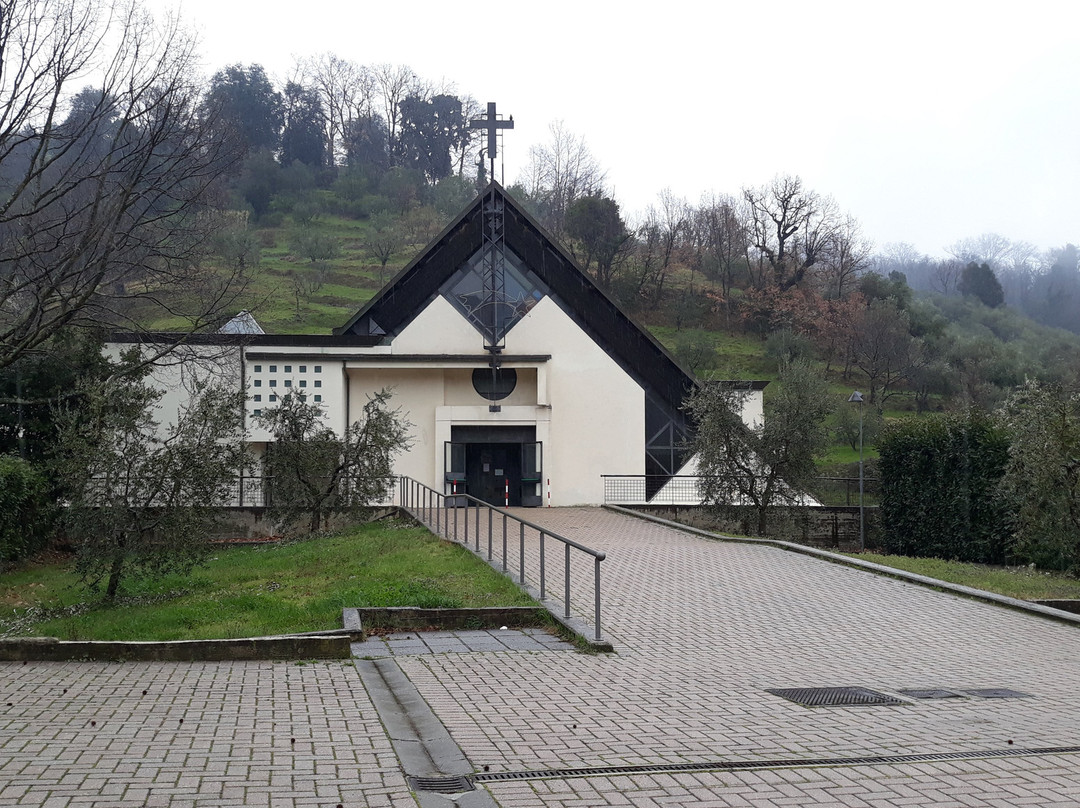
[{"x": 461, "y": 518}]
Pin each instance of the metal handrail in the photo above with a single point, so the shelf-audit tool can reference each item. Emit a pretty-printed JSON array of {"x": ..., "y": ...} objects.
[
  {"x": 655, "y": 489},
  {"x": 430, "y": 507}
]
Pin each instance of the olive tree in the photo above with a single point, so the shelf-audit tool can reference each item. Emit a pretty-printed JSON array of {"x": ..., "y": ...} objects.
[
  {"x": 768, "y": 463},
  {"x": 1041, "y": 483},
  {"x": 314, "y": 472},
  {"x": 142, "y": 496}
]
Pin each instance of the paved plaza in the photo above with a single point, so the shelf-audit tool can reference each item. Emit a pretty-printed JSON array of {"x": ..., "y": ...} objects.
[{"x": 702, "y": 629}]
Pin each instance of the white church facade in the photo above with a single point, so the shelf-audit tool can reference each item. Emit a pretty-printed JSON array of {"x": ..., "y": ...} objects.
[{"x": 522, "y": 381}]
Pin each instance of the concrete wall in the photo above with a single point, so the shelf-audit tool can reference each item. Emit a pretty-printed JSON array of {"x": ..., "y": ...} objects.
[{"x": 835, "y": 528}]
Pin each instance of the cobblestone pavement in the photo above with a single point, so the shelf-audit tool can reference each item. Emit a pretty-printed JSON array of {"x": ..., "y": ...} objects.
[
  {"x": 702, "y": 628},
  {"x": 192, "y": 734}
]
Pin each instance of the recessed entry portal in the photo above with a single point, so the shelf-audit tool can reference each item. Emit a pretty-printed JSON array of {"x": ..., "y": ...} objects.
[{"x": 501, "y": 465}]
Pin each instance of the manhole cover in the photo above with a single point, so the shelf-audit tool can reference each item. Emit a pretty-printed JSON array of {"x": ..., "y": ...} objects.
[
  {"x": 833, "y": 696},
  {"x": 930, "y": 694},
  {"x": 998, "y": 693},
  {"x": 442, "y": 785}
]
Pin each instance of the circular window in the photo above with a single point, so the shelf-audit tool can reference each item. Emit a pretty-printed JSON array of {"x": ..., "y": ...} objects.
[{"x": 494, "y": 385}]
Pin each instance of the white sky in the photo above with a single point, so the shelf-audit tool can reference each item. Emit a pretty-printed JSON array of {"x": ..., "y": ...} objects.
[{"x": 928, "y": 121}]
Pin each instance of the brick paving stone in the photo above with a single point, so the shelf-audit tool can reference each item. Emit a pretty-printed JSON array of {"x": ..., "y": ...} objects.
[
  {"x": 702, "y": 628},
  {"x": 247, "y": 710}
]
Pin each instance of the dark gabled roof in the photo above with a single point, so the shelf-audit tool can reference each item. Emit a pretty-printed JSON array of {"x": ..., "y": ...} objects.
[{"x": 636, "y": 351}]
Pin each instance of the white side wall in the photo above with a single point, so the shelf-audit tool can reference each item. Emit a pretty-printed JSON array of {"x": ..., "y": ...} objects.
[{"x": 178, "y": 374}]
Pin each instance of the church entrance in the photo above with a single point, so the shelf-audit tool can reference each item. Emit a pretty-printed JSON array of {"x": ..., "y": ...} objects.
[
  {"x": 493, "y": 472},
  {"x": 498, "y": 465}
]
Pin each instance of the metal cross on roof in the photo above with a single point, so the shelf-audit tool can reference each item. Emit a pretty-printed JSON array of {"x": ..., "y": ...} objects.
[{"x": 493, "y": 124}]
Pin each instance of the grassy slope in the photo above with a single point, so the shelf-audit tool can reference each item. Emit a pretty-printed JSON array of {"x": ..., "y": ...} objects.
[
  {"x": 1016, "y": 582},
  {"x": 252, "y": 591}
]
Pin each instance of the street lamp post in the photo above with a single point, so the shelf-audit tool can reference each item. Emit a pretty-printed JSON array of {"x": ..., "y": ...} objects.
[{"x": 856, "y": 398}]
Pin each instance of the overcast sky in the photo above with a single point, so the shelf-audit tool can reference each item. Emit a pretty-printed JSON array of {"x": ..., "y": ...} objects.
[{"x": 928, "y": 121}]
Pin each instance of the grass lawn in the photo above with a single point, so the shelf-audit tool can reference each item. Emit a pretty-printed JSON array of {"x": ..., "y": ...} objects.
[
  {"x": 1023, "y": 583},
  {"x": 253, "y": 591}
]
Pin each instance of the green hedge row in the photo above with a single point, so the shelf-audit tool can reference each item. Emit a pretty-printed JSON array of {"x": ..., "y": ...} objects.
[{"x": 940, "y": 477}]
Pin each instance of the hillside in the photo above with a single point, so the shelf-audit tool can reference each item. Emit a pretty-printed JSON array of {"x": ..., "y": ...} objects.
[{"x": 313, "y": 269}]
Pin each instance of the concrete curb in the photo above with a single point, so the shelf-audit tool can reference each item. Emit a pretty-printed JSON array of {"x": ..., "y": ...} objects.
[
  {"x": 411, "y": 618},
  {"x": 50, "y": 649},
  {"x": 420, "y": 740},
  {"x": 878, "y": 569}
]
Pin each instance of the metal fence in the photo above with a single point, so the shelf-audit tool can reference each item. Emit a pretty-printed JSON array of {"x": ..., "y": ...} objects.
[
  {"x": 463, "y": 518},
  {"x": 242, "y": 492},
  {"x": 633, "y": 489}
]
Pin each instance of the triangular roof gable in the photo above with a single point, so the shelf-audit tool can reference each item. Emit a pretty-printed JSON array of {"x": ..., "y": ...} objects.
[{"x": 409, "y": 292}]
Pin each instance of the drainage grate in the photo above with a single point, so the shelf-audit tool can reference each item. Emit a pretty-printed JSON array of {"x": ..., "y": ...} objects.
[
  {"x": 442, "y": 785},
  {"x": 998, "y": 693},
  {"x": 930, "y": 694},
  {"x": 833, "y": 696},
  {"x": 753, "y": 765}
]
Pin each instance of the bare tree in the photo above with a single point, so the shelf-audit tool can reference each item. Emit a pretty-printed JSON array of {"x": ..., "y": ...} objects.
[
  {"x": 395, "y": 83},
  {"x": 884, "y": 350},
  {"x": 989, "y": 248},
  {"x": 105, "y": 190},
  {"x": 660, "y": 237},
  {"x": 560, "y": 173},
  {"x": 945, "y": 277},
  {"x": 791, "y": 228},
  {"x": 846, "y": 256},
  {"x": 722, "y": 236},
  {"x": 347, "y": 91}
]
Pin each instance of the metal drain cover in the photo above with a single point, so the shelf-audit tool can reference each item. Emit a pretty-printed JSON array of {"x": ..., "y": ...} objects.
[
  {"x": 930, "y": 694},
  {"x": 442, "y": 785},
  {"x": 833, "y": 696},
  {"x": 998, "y": 693}
]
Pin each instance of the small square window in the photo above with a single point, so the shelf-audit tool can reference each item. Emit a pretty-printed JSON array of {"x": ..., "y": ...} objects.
[
  {"x": 288, "y": 368},
  {"x": 318, "y": 398},
  {"x": 258, "y": 368},
  {"x": 256, "y": 398},
  {"x": 256, "y": 412},
  {"x": 303, "y": 382},
  {"x": 258, "y": 382},
  {"x": 288, "y": 382},
  {"x": 318, "y": 368},
  {"x": 273, "y": 382},
  {"x": 303, "y": 399},
  {"x": 303, "y": 368},
  {"x": 318, "y": 383},
  {"x": 273, "y": 398},
  {"x": 273, "y": 368}
]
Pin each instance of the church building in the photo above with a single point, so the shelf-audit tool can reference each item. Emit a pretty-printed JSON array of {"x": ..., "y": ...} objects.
[{"x": 523, "y": 382}]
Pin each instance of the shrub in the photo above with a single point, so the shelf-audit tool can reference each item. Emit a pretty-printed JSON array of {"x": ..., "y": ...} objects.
[
  {"x": 939, "y": 484},
  {"x": 25, "y": 515}
]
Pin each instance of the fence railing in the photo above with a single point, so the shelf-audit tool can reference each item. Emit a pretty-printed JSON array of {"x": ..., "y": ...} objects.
[
  {"x": 461, "y": 518},
  {"x": 642, "y": 489}
]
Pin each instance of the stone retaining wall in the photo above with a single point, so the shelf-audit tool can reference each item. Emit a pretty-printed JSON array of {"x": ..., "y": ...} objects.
[{"x": 830, "y": 527}]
